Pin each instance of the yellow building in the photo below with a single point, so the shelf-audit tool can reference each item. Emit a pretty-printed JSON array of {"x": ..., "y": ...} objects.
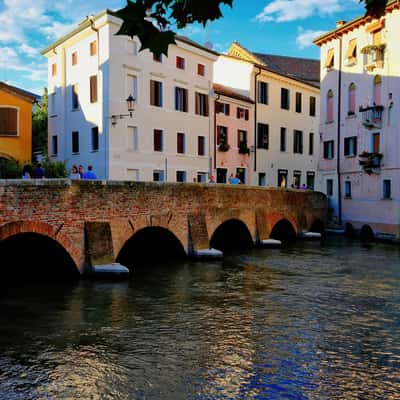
[{"x": 15, "y": 123}]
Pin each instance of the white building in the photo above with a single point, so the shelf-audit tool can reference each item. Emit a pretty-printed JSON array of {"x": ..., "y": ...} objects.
[
  {"x": 360, "y": 89},
  {"x": 91, "y": 74},
  {"x": 286, "y": 119}
]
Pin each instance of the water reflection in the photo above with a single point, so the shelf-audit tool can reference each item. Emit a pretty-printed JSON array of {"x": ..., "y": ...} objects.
[{"x": 307, "y": 322}]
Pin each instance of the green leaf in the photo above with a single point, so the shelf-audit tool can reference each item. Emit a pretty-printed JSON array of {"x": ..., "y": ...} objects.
[{"x": 375, "y": 8}]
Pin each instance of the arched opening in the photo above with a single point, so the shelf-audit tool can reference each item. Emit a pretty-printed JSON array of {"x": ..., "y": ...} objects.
[
  {"x": 367, "y": 234},
  {"x": 151, "y": 245},
  {"x": 284, "y": 232},
  {"x": 349, "y": 230},
  {"x": 318, "y": 226},
  {"x": 35, "y": 257},
  {"x": 231, "y": 235}
]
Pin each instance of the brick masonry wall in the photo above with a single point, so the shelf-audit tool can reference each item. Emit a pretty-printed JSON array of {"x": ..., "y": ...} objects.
[{"x": 60, "y": 209}]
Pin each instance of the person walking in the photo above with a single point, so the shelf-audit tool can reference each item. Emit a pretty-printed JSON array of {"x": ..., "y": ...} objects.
[{"x": 89, "y": 174}]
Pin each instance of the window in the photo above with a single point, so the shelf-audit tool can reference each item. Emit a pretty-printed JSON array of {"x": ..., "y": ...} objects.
[
  {"x": 52, "y": 103},
  {"x": 53, "y": 69},
  {"x": 347, "y": 189},
  {"x": 180, "y": 62},
  {"x": 222, "y": 135},
  {"x": 296, "y": 179},
  {"x": 285, "y": 99},
  {"x": 201, "y": 145},
  {"x": 310, "y": 180},
  {"x": 202, "y": 177},
  {"x": 298, "y": 142},
  {"x": 298, "y": 102},
  {"x": 351, "y": 53},
  {"x": 75, "y": 98},
  {"x": 329, "y": 153},
  {"x": 262, "y": 136},
  {"x": 222, "y": 108},
  {"x": 329, "y": 106},
  {"x": 387, "y": 189},
  {"x": 283, "y": 139},
  {"x": 352, "y": 99},
  {"x": 312, "y": 106},
  {"x": 133, "y": 174},
  {"x": 311, "y": 144},
  {"x": 8, "y": 121},
  {"x": 181, "y": 99},
  {"x": 377, "y": 90},
  {"x": 93, "y": 48},
  {"x": 376, "y": 142},
  {"x": 75, "y": 142},
  {"x": 157, "y": 58},
  {"x": 241, "y": 174},
  {"x": 201, "y": 104},
  {"x": 262, "y": 92},
  {"x": 133, "y": 138},
  {"x": 180, "y": 143},
  {"x": 158, "y": 176},
  {"x": 242, "y": 140},
  {"x": 242, "y": 113},
  {"x": 262, "y": 180},
  {"x": 201, "y": 69},
  {"x": 95, "y": 139},
  {"x": 93, "y": 89},
  {"x": 54, "y": 145},
  {"x": 74, "y": 58},
  {"x": 329, "y": 187},
  {"x": 350, "y": 146},
  {"x": 221, "y": 175},
  {"x": 181, "y": 176},
  {"x": 158, "y": 140},
  {"x": 156, "y": 93},
  {"x": 282, "y": 178},
  {"x": 330, "y": 59}
]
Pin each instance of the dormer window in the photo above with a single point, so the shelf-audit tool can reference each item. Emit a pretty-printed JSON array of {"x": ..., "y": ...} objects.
[{"x": 330, "y": 59}]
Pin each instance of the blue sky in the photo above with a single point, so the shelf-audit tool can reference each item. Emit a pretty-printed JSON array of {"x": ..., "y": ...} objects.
[{"x": 284, "y": 27}]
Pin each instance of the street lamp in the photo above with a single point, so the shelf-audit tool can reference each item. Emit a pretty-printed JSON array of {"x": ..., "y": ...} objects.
[{"x": 130, "y": 102}]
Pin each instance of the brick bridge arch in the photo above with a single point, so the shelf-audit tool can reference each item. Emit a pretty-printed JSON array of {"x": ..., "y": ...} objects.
[{"x": 41, "y": 228}]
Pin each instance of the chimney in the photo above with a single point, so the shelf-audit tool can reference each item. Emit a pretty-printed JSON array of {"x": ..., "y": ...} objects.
[{"x": 340, "y": 23}]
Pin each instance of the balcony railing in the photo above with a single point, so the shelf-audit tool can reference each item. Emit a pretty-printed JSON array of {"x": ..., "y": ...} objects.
[
  {"x": 372, "y": 116},
  {"x": 370, "y": 162},
  {"x": 374, "y": 56}
]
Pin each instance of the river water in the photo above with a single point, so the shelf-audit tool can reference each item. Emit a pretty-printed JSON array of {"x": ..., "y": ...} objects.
[{"x": 305, "y": 322}]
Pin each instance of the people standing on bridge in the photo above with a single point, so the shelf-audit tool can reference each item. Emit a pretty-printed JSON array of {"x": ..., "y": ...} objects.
[
  {"x": 26, "y": 172},
  {"x": 234, "y": 180},
  {"x": 74, "y": 174},
  {"x": 38, "y": 172},
  {"x": 89, "y": 174},
  {"x": 212, "y": 179},
  {"x": 81, "y": 171}
]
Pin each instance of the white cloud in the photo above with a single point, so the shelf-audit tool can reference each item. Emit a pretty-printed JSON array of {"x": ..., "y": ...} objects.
[
  {"x": 28, "y": 50},
  {"x": 291, "y": 10},
  {"x": 306, "y": 36}
]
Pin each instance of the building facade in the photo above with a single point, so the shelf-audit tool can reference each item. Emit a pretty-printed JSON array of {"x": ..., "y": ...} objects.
[
  {"x": 91, "y": 74},
  {"x": 285, "y": 91},
  {"x": 15, "y": 123},
  {"x": 360, "y": 86},
  {"x": 233, "y": 135}
]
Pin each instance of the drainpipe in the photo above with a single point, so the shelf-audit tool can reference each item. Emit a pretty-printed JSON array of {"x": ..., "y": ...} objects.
[
  {"x": 338, "y": 134},
  {"x": 215, "y": 132},
  {"x": 255, "y": 118}
]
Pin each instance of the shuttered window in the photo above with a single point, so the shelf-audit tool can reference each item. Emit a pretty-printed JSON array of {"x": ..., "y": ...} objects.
[
  {"x": 156, "y": 93},
  {"x": 75, "y": 98},
  {"x": 201, "y": 104},
  {"x": 93, "y": 89},
  {"x": 180, "y": 143},
  {"x": 93, "y": 48},
  {"x": 201, "y": 146},
  {"x": 158, "y": 140},
  {"x": 8, "y": 121}
]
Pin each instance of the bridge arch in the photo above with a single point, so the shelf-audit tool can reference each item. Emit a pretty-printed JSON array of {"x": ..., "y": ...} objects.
[
  {"x": 37, "y": 250},
  {"x": 284, "y": 231},
  {"x": 231, "y": 234},
  {"x": 151, "y": 244}
]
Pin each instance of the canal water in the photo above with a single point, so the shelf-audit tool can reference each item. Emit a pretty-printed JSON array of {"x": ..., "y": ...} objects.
[{"x": 305, "y": 322}]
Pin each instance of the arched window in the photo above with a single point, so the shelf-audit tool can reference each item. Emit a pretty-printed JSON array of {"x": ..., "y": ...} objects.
[
  {"x": 352, "y": 99},
  {"x": 8, "y": 121},
  {"x": 377, "y": 90},
  {"x": 329, "y": 106}
]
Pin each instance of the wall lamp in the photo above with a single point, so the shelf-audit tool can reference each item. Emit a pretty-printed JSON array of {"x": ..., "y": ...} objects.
[{"x": 130, "y": 102}]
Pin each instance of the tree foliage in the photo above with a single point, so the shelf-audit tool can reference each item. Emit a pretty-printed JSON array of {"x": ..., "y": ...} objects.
[
  {"x": 39, "y": 125},
  {"x": 375, "y": 8}
]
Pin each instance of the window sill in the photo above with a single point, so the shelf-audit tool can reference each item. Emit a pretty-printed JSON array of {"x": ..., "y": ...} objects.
[
  {"x": 350, "y": 156},
  {"x": 386, "y": 198},
  {"x": 347, "y": 197},
  {"x": 5, "y": 135},
  {"x": 94, "y": 151},
  {"x": 329, "y": 122},
  {"x": 351, "y": 116},
  {"x": 53, "y": 116}
]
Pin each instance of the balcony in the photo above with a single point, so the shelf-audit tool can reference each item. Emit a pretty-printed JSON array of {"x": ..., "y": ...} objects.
[
  {"x": 243, "y": 148},
  {"x": 374, "y": 56},
  {"x": 372, "y": 116},
  {"x": 370, "y": 162}
]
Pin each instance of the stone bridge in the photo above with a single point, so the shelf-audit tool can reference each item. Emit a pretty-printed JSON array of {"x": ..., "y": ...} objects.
[{"x": 95, "y": 222}]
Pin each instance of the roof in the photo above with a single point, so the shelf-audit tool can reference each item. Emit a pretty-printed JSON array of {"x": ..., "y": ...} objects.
[
  {"x": 88, "y": 21},
  {"x": 229, "y": 92},
  {"x": 353, "y": 24},
  {"x": 305, "y": 70},
  {"x": 26, "y": 95}
]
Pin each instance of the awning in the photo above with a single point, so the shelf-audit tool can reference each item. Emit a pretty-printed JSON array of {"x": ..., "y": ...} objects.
[
  {"x": 375, "y": 26},
  {"x": 329, "y": 58},
  {"x": 351, "y": 48}
]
